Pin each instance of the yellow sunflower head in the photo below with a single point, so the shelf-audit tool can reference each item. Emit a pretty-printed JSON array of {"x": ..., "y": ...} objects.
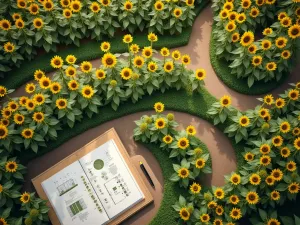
[
  {"x": 254, "y": 179},
  {"x": 286, "y": 54},
  {"x": 13, "y": 106},
  {"x": 176, "y": 55},
  {"x": 285, "y": 127},
  {"x": 11, "y": 166},
  {"x": 247, "y": 38},
  {"x": 38, "y": 117},
  {"x": 246, "y": 4},
  {"x": 224, "y": 14},
  {"x": 109, "y": 60},
  {"x": 152, "y": 37},
  {"x": 205, "y": 218},
  {"x": 168, "y": 66},
  {"x": 252, "y": 49},
  {"x": 235, "y": 179},
  {"x": 25, "y": 197},
  {"x": 219, "y": 210},
  {"x": 30, "y": 105},
  {"x": 286, "y": 22},
  {"x": 294, "y": 188},
  {"x": 95, "y": 7},
  {"x": 160, "y": 123},
  {"x": 231, "y": 26},
  {"x": 234, "y": 199},
  {"x": 3, "y": 131},
  {"x": 241, "y": 18},
  {"x": 70, "y": 71},
  {"x": 45, "y": 82},
  {"x": 19, "y": 23},
  {"x": 270, "y": 180},
  {"x": 73, "y": 85},
  {"x": 126, "y": 73},
  {"x": 56, "y": 62},
  {"x": 23, "y": 100},
  {"x": 225, "y": 101},
  {"x": 252, "y": 198},
  {"x": 184, "y": 214},
  {"x": 34, "y": 9},
  {"x": 265, "y": 149},
  {"x": 22, "y": 4},
  {"x": 9, "y": 47},
  {"x": 86, "y": 67},
  {"x": 296, "y": 131},
  {"x": 236, "y": 213},
  {"x": 219, "y": 193},
  {"x": 48, "y": 5},
  {"x": 254, "y": 12},
  {"x": 27, "y": 133},
  {"x": 6, "y": 113},
  {"x": 293, "y": 94},
  {"x": 167, "y": 139},
  {"x": 61, "y": 103},
  {"x": 232, "y": 15},
  {"x": 165, "y": 52},
  {"x": 127, "y": 38},
  {"x": 87, "y": 91},
  {"x": 281, "y": 42},
  {"x": 200, "y": 163},
  {"x": 134, "y": 48},
  {"x": 183, "y": 173},
  {"x": 38, "y": 74},
  {"x": 228, "y": 6},
  {"x": 39, "y": 99},
  {"x": 138, "y": 61},
  {"x": 147, "y": 52},
  {"x": 291, "y": 166},
  {"x": 55, "y": 87},
  {"x": 266, "y": 44},
  {"x": 75, "y": 6},
  {"x": 177, "y": 12},
  {"x": 191, "y": 130},
  {"x": 186, "y": 59},
  {"x": 152, "y": 66},
  {"x": 267, "y": 31},
  {"x": 67, "y": 13},
  {"x": 5, "y": 24},
  {"x": 265, "y": 160},
  {"x": 189, "y": 2},
  {"x": 128, "y": 5},
  {"x": 159, "y": 6},
  {"x": 71, "y": 59},
  {"x": 16, "y": 16},
  {"x": 183, "y": 143},
  {"x": 277, "y": 174},
  {"x": 297, "y": 143},
  {"x": 277, "y": 141},
  {"x": 159, "y": 107},
  {"x": 195, "y": 188},
  {"x": 100, "y": 74},
  {"x": 105, "y": 46},
  {"x": 235, "y": 37},
  {"x": 65, "y": 3},
  {"x": 269, "y": 99},
  {"x": 105, "y": 3},
  {"x": 244, "y": 121}
]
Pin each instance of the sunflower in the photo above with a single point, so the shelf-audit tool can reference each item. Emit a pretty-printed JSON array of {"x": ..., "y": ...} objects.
[
  {"x": 75, "y": 6},
  {"x": 200, "y": 74},
  {"x": 9, "y": 47},
  {"x": 219, "y": 193},
  {"x": 56, "y": 62},
  {"x": 200, "y": 163},
  {"x": 100, "y": 74},
  {"x": 252, "y": 49},
  {"x": 86, "y": 67},
  {"x": 5, "y": 24},
  {"x": 281, "y": 42},
  {"x": 4, "y": 122},
  {"x": 270, "y": 180},
  {"x": 38, "y": 117},
  {"x": 183, "y": 143},
  {"x": 160, "y": 123},
  {"x": 267, "y": 31},
  {"x": 212, "y": 205},
  {"x": 191, "y": 130},
  {"x": 3, "y": 91},
  {"x": 105, "y": 3},
  {"x": 13, "y": 106},
  {"x": 235, "y": 179},
  {"x": 265, "y": 160},
  {"x": 87, "y": 91},
  {"x": 34, "y": 9},
  {"x": 285, "y": 152},
  {"x": 297, "y": 143},
  {"x": 297, "y": 86},
  {"x": 21, "y": 4},
  {"x": 152, "y": 37},
  {"x": 186, "y": 59},
  {"x": 176, "y": 55},
  {"x": 147, "y": 52},
  {"x": 177, "y": 12},
  {"x": 297, "y": 11},
  {"x": 232, "y": 15},
  {"x": 168, "y": 67},
  {"x": 270, "y": 2},
  {"x": 152, "y": 66},
  {"x": 65, "y": 3},
  {"x": 138, "y": 61},
  {"x": 38, "y": 74},
  {"x": 277, "y": 141},
  {"x": 16, "y": 16},
  {"x": 128, "y": 6},
  {"x": 159, "y": 6},
  {"x": 70, "y": 71},
  {"x": 252, "y": 198},
  {"x": 134, "y": 48},
  {"x": 55, "y": 87},
  {"x": 61, "y": 103},
  {"x": 167, "y": 139},
  {"x": 279, "y": 103},
  {"x": 2, "y": 220},
  {"x": 23, "y": 100},
  {"x": 195, "y": 188},
  {"x": 231, "y": 26},
  {"x": 296, "y": 131},
  {"x": 254, "y": 12},
  {"x": 294, "y": 188},
  {"x": 126, "y": 73},
  {"x": 286, "y": 54},
  {"x": 286, "y": 22},
  {"x": 95, "y": 7},
  {"x": 255, "y": 179},
  {"x": 67, "y": 13},
  {"x": 247, "y": 38},
  {"x": 291, "y": 166},
  {"x": 218, "y": 222},
  {"x": 183, "y": 173},
  {"x": 25, "y": 197},
  {"x": 235, "y": 213},
  {"x": 272, "y": 221},
  {"x": 224, "y": 14},
  {"x": 228, "y": 6},
  {"x": 73, "y": 85},
  {"x": 263, "y": 112},
  {"x": 234, "y": 199},
  {"x": 241, "y": 18},
  {"x": 30, "y": 105},
  {"x": 159, "y": 107},
  {"x": 127, "y": 38},
  {"x": 246, "y": 4},
  {"x": 105, "y": 46},
  {"x": 269, "y": 99},
  {"x": 225, "y": 101},
  {"x": 244, "y": 121},
  {"x": 165, "y": 52},
  {"x": 109, "y": 60},
  {"x": 48, "y": 5},
  {"x": 45, "y": 82},
  {"x": 27, "y": 133},
  {"x": 19, "y": 23},
  {"x": 266, "y": 44},
  {"x": 219, "y": 210},
  {"x": 6, "y": 113},
  {"x": 71, "y": 59},
  {"x": 39, "y": 99},
  {"x": 189, "y": 2},
  {"x": 235, "y": 37},
  {"x": 285, "y": 127},
  {"x": 184, "y": 214},
  {"x": 11, "y": 167},
  {"x": 204, "y": 218},
  {"x": 293, "y": 94},
  {"x": 249, "y": 156},
  {"x": 38, "y": 23},
  {"x": 277, "y": 174},
  {"x": 3, "y": 131},
  {"x": 282, "y": 15}
]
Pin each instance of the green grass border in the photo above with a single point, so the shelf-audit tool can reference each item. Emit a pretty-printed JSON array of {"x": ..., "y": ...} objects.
[
  {"x": 91, "y": 50},
  {"x": 222, "y": 70}
]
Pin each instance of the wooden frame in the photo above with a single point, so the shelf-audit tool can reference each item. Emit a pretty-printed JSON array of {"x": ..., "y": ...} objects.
[{"x": 108, "y": 135}]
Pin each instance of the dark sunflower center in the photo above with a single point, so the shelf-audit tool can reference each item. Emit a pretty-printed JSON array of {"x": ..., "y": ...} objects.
[
  {"x": 168, "y": 67},
  {"x": 55, "y": 88},
  {"x": 27, "y": 133},
  {"x": 38, "y": 116},
  {"x": 293, "y": 95},
  {"x": 109, "y": 61},
  {"x": 128, "y": 6},
  {"x": 62, "y": 103},
  {"x": 38, "y": 23},
  {"x": 76, "y": 6},
  {"x": 264, "y": 160},
  {"x": 87, "y": 92},
  {"x": 284, "y": 127},
  {"x": 276, "y": 175},
  {"x": 254, "y": 179},
  {"x": 183, "y": 143},
  {"x": 244, "y": 121},
  {"x": 48, "y": 5},
  {"x": 2, "y": 132},
  {"x": 74, "y": 85},
  {"x": 183, "y": 172},
  {"x": 185, "y": 214},
  {"x": 11, "y": 166},
  {"x": 235, "y": 179},
  {"x": 251, "y": 197},
  {"x": 246, "y": 39},
  {"x": 20, "y": 118},
  {"x": 34, "y": 9},
  {"x": 46, "y": 83},
  {"x": 235, "y": 213},
  {"x": 293, "y": 187}
]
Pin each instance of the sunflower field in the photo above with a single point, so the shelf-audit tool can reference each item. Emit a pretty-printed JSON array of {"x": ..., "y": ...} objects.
[
  {"x": 27, "y": 26},
  {"x": 51, "y": 103},
  {"x": 258, "y": 39}
]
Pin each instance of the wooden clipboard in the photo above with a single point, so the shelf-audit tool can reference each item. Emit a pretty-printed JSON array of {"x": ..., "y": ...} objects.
[{"x": 108, "y": 135}]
